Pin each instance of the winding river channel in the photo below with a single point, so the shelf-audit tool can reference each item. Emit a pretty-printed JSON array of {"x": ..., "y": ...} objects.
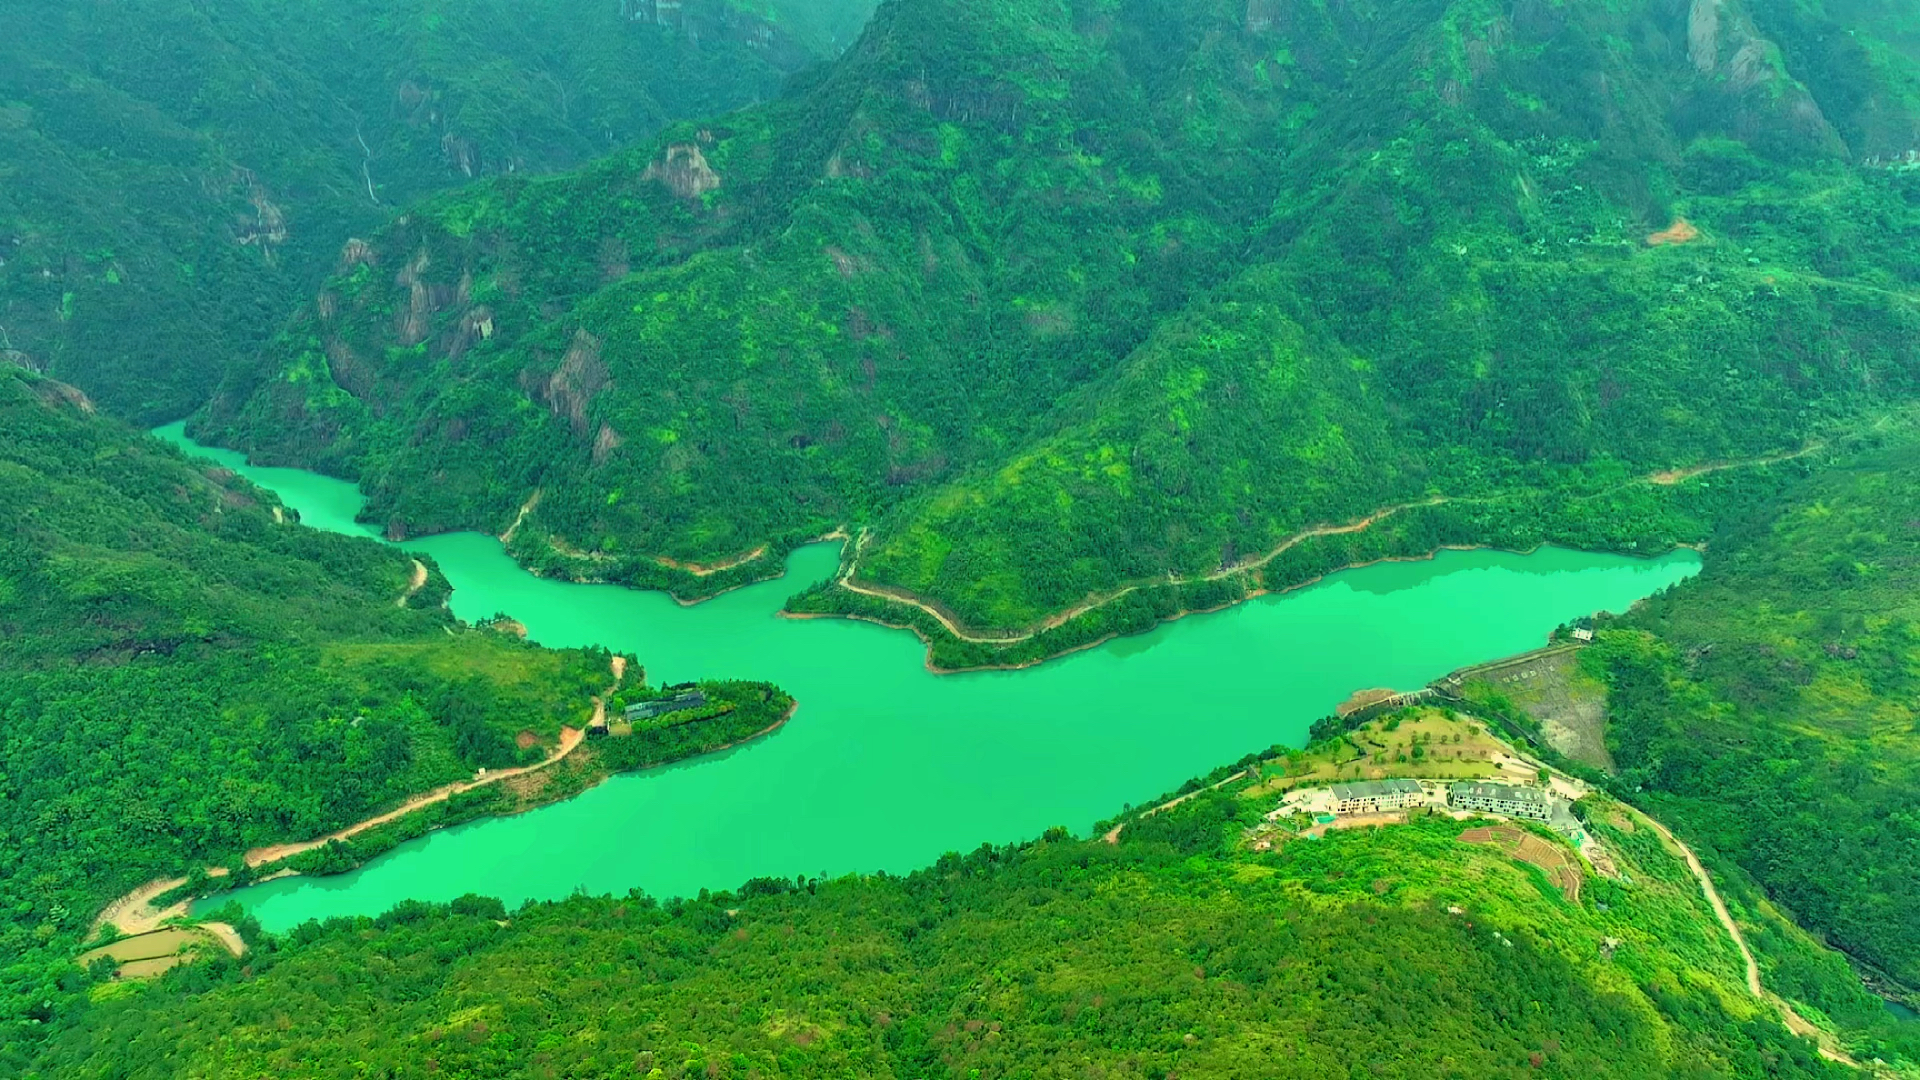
[{"x": 887, "y": 766}]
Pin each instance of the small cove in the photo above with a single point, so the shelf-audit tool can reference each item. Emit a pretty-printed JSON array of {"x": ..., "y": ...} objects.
[{"x": 887, "y": 766}]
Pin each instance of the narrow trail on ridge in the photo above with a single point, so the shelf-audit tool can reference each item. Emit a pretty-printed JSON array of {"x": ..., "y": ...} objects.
[{"x": 952, "y": 625}]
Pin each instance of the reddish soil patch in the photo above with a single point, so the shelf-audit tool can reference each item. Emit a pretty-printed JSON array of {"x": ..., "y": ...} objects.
[
  {"x": 526, "y": 740},
  {"x": 1681, "y": 231}
]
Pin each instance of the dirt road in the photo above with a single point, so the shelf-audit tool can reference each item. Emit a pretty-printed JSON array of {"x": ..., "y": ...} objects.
[
  {"x": 951, "y": 623},
  {"x": 570, "y": 740},
  {"x": 1796, "y": 1023},
  {"x": 134, "y": 913},
  {"x": 1113, "y": 837}
]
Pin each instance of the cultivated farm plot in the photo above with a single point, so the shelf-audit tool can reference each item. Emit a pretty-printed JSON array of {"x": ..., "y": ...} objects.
[
  {"x": 145, "y": 956},
  {"x": 1528, "y": 848}
]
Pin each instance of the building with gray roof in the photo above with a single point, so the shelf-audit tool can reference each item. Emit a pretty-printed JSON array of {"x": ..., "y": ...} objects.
[
  {"x": 1508, "y": 800},
  {"x": 1376, "y": 796}
]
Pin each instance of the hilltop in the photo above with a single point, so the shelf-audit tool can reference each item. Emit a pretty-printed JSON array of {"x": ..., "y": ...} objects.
[{"x": 1090, "y": 313}]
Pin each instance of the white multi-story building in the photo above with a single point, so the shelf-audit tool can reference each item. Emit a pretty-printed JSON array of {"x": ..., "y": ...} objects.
[
  {"x": 1377, "y": 796},
  {"x": 1505, "y": 799}
]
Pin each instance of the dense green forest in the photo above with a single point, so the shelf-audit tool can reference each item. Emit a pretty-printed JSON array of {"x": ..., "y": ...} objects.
[
  {"x": 175, "y": 175},
  {"x": 1768, "y": 707},
  {"x": 189, "y": 673},
  {"x": 1057, "y": 297},
  {"x": 1179, "y": 951}
]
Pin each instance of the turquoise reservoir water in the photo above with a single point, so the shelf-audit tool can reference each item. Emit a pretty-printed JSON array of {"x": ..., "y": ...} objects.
[{"x": 886, "y": 766}]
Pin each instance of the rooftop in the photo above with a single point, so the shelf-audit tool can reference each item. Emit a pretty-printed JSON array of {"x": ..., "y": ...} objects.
[
  {"x": 1509, "y": 792},
  {"x": 1374, "y": 789}
]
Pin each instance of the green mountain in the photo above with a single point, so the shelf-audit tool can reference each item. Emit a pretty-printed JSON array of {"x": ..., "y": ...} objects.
[
  {"x": 1180, "y": 950},
  {"x": 1070, "y": 301},
  {"x": 189, "y": 673},
  {"x": 1768, "y": 707},
  {"x": 176, "y": 174}
]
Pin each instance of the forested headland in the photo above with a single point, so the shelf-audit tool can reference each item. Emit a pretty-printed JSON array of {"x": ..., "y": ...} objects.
[{"x": 188, "y": 674}]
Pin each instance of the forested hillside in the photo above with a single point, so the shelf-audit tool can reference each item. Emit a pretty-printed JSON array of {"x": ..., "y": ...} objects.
[
  {"x": 1768, "y": 707},
  {"x": 1062, "y": 297},
  {"x": 1179, "y": 951},
  {"x": 188, "y": 673},
  {"x": 176, "y": 174}
]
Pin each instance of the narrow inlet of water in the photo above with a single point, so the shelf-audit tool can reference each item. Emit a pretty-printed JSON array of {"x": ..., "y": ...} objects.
[{"x": 887, "y": 766}]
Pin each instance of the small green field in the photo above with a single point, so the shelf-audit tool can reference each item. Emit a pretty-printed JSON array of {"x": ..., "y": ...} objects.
[{"x": 146, "y": 956}]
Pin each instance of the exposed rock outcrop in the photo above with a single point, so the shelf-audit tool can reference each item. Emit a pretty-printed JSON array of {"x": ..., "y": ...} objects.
[{"x": 684, "y": 170}]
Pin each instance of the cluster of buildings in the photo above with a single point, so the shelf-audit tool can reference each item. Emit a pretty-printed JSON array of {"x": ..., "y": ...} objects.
[
  {"x": 1507, "y": 800},
  {"x": 653, "y": 710},
  {"x": 647, "y": 710}
]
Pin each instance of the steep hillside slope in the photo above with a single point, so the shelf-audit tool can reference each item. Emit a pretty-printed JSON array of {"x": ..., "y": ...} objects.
[
  {"x": 1770, "y": 703},
  {"x": 177, "y": 172},
  {"x": 1061, "y": 298},
  {"x": 1178, "y": 951}
]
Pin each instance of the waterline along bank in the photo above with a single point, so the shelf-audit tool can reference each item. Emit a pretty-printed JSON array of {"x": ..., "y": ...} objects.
[{"x": 887, "y": 766}]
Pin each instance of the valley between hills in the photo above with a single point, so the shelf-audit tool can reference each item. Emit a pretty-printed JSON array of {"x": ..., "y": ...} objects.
[{"x": 680, "y": 538}]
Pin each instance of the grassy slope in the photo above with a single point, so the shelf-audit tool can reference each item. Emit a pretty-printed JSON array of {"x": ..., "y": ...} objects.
[
  {"x": 1176, "y": 952},
  {"x": 1059, "y": 297},
  {"x": 1769, "y": 703},
  {"x": 178, "y": 174}
]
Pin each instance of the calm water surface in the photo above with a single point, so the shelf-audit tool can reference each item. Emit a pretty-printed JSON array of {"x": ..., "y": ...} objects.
[{"x": 887, "y": 766}]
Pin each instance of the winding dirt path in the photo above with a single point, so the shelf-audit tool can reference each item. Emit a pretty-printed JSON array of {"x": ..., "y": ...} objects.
[
  {"x": 570, "y": 740},
  {"x": 1113, "y": 835},
  {"x": 1796, "y": 1023},
  {"x": 1676, "y": 476},
  {"x": 951, "y": 622},
  {"x": 134, "y": 913},
  {"x": 710, "y": 569},
  {"x": 952, "y": 625}
]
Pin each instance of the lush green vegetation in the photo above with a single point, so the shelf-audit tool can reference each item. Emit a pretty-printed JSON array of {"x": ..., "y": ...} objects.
[
  {"x": 1768, "y": 707},
  {"x": 1179, "y": 951},
  {"x": 1059, "y": 297},
  {"x": 178, "y": 174},
  {"x": 189, "y": 673}
]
